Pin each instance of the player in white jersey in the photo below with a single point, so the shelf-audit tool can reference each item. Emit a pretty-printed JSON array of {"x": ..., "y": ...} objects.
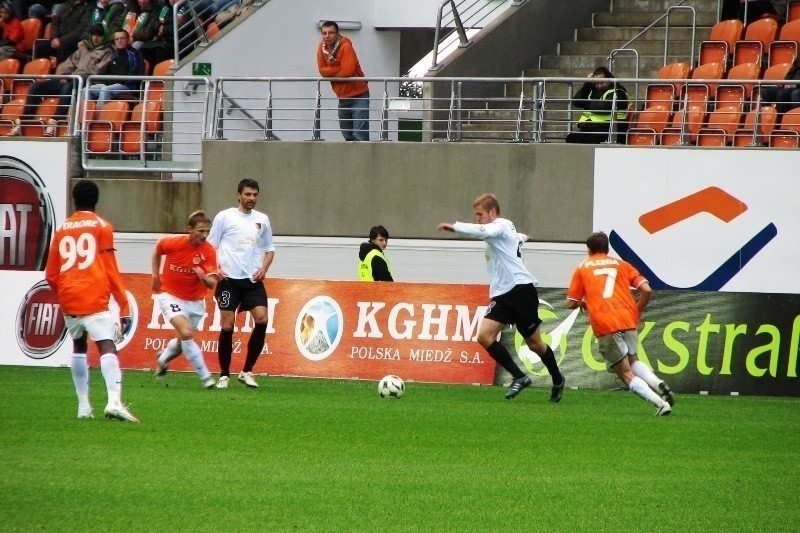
[
  {"x": 243, "y": 239},
  {"x": 513, "y": 292}
]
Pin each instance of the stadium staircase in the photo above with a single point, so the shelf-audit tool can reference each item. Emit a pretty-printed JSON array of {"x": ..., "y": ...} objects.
[{"x": 590, "y": 49}]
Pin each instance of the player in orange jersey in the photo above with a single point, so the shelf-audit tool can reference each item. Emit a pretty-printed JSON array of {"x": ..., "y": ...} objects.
[
  {"x": 602, "y": 285},
  {"x": 189, "y": 270},
  {"x": 82, "y": 270}
]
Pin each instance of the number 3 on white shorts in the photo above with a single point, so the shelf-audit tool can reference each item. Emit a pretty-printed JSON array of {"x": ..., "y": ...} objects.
[{"x": 611, "y": 277}]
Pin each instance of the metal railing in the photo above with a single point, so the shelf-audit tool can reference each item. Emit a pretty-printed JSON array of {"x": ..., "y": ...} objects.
[
  {"x": 158, "y": 126},
  {"x": 536, "y": 110},
  {"x": 13, "y": 91},
  {"x": 665, "y": 17},
  {"x": 196, "y": 24},
  {"x": 464, "y": 18}
]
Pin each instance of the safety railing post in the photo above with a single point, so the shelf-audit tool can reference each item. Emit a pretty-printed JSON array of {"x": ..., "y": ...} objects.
[
  {"x": 315, "y": 132},
  {"x": 385, "y": 113},
  {"x": 268, "y": 135}
]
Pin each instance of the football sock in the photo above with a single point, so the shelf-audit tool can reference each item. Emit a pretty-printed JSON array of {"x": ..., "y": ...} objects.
[
  {"x": 642, "y": 371},
  {"x": 640, "y": 388},
  {"x": 109, "y": 366},
  {"x": 549, "y": 361},
  {"x": 224, "y": 351},
  {"x": 254, "y": 346},
  {"x": 80, "y": 376},
  {"x": 503, "y": 358},
  {"x": 192, "y": 352},
  {"x": 172, "y": 351}
]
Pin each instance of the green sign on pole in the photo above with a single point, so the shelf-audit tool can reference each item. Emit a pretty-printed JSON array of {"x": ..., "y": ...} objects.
[{"x": 201, "y": 69}]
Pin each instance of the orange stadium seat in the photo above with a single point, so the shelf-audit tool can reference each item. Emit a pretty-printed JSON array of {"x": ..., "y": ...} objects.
[
  {"x": 765, "y": 117},
  {"x": 692, "y": 114},
  {"x": 131, "y": 137},
  {"x": 721, "y": 125},
  {"x": 773, "y": 73},
  {"x": 757, "y": 38},
  {"x": 745, "y": 71},
  {"x": 784, "y": 49},
  {"x": 8, "y": 67},
  {"x": 44, "y": 112},
  {"x": 793, "y": 10},
  {"x": 11, "y": 111},
  {"x": 32, "y": 30},
  {"x": 788, "y": 134},
  {"x": 100, "y": 133},
  {"x": 35, "y": 67},
  {"x": 655, "y": 116},
  {"x": 675, "y": 71},
  {"x": 719, "y": 45}
]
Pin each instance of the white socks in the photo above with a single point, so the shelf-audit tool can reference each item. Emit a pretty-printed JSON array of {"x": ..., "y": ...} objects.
[
  {"x": 640, "y": 388},
  {"x": 192, "y": 352},
  {"x": 109, "y": 366},
  {"x": 172, "y": 351},
  {"x": 641, "y": 370},
  {"x": 80, "y": 376}
]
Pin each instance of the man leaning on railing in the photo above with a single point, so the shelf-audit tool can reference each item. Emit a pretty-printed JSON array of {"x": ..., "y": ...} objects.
[{"x": 336, "y": 58}]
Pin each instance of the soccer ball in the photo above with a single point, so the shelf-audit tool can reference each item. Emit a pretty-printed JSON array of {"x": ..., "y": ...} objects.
[{"x": 391, "y": 387}]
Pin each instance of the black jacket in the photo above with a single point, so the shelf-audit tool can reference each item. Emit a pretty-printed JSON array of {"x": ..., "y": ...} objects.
[
  {"x": 590, "y": 99},
  {"x": 127, "y": 62},
  {"x": 380, "y": 270}
]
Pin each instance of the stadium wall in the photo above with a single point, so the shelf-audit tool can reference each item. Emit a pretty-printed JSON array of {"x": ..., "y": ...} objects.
[{"x": 338, "y": 190}]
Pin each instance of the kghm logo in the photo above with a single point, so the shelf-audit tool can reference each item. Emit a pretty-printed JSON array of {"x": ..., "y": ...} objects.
[
  {"x": 319, "y": 328},
  {"x": 713, "y": 201}
]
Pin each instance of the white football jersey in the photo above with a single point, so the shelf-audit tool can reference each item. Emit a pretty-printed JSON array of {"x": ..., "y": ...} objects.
[
  {"x": 503, "y": 254},
  {"x": 241, "y": 241}
]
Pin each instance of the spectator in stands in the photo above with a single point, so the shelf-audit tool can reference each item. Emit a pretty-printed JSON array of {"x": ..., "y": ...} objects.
[
  {"x": 87, "y": 60},
  {"x": 598, "y": 99},
  {"x": 70, "y": 24},
  {"x": 41, "y": 8},
  {"x": 109, "y": 13},
  {"x": 336, "y": 58},
  {"x": 147, "y": 23},
  {"x": 162, "y": 45},
  {"x": 125, "y": 61},
  {"x": 786, "y": 96},
  {"x": 12, "y": 36}
]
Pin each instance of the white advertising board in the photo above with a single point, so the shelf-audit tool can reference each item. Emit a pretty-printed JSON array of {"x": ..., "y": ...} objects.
[
  {"x": 706, "y": 220},
  {"x": 33, "y": 201}
]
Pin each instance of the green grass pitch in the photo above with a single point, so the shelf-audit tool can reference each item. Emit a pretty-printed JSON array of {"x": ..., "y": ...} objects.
[{"x": 322, "y": 455}]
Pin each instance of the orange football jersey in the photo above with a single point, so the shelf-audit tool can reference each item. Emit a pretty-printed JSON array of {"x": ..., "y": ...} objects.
[
  {"x": 605, "y": 284},
  {"x": 82, "y": 268},
  {"x": 177, "y": 276}
]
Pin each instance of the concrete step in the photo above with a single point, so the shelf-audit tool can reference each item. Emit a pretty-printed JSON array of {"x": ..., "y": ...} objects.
[
  {"x": 643, "y": 47},
  {"x": 645, "y": 18},
  {"x": 628, "y": 6},
  {"x": 591, "y": 61},
  {"x": 609, "y": 33}
]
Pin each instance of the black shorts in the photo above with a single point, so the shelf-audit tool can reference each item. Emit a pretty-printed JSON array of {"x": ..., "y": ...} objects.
[
  {"x": 519, "y": 306},
  {"x": 240, "y": 294}
]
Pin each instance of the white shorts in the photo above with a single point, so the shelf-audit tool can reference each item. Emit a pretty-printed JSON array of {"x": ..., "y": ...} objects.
[
  {"x": 172, "y": 306},
  {"x": 100, "y": 326},
  {"x": 615, "y": 346}
]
